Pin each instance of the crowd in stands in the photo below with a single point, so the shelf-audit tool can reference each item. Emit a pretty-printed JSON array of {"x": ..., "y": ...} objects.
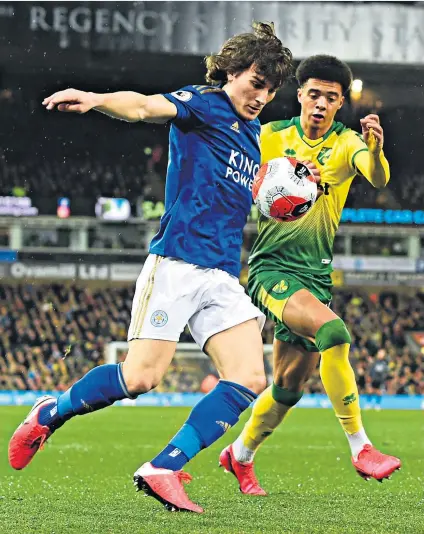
[
  {"x": 144, "y": 176},
  {"x": 79, "y": 178},
  {"x": 99, "y": 157},
  {"x": 381, "y": 353},
  {"x": 50, "y": 335},
  {"x": 379, "y": 246},
  {"x": 47, "y": 155}
]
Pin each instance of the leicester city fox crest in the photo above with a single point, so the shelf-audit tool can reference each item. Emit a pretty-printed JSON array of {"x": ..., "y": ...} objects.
[{"x": 159, "y": 318}]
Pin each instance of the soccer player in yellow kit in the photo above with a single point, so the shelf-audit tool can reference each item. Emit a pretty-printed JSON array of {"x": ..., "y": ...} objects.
[{"x": 290, "y": 270}]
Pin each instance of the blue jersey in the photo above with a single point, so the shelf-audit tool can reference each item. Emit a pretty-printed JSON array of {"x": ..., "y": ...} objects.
[{"x": 213, "y": 156}]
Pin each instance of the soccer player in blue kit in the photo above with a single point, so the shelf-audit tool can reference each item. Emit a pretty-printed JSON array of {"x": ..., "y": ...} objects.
[{"x": 191, "y": 273}]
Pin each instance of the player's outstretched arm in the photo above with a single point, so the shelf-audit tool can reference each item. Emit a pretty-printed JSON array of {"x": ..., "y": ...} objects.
[
  {"x": 372, "y": 164},
  {"x": 125, "y": 105}
]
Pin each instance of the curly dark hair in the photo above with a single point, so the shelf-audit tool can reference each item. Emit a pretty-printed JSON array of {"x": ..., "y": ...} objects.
[
  {"x": 262, "y": 48},
  {"x": 323, "y": 67}
]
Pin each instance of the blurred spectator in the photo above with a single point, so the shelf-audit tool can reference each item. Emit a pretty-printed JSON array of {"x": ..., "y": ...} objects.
[{"x": 379, "y": 372}]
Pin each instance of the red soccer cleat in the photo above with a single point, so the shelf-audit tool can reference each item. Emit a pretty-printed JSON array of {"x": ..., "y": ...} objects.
[
  {"x": 244, "y": 473},
  {"x": 372, "y": 463},
  {"x": 29, "y": 437},
  {"x": 166, "y": 487}
]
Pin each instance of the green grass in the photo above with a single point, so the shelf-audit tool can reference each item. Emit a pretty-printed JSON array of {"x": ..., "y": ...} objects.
[{"x": 82, "y": 482}]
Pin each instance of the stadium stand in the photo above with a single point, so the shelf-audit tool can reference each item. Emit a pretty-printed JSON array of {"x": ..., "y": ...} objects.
[
  {"x": 50, "y": 335},
  {"x": 107, "y": 158}
]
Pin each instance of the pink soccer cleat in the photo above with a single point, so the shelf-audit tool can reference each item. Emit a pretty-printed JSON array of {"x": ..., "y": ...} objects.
[
  {"x": 244, "y": 473},
  {"x": 30, "y": 436},
  {"x": 166, "y": 486},
  {"x": 372, "y": 463}
]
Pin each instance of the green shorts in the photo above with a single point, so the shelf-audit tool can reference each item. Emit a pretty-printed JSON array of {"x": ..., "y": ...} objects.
[{"x": 270, "y": 291}]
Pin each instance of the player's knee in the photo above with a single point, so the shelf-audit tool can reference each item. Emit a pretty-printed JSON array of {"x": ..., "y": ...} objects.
[
  {"x": 331, "y": 334},
  {"x": 138, "y": 386},
  {"x": 141, "y": 382},
  {"x": 256, "y": 382}
]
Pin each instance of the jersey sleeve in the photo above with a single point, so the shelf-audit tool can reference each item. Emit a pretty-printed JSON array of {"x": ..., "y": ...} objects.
[
  {"x": 363, "y": 164},
  {"x": 355, "y": 146},
  {"x": 359, "y": 158},
  {"x": 192, "y": 108}
]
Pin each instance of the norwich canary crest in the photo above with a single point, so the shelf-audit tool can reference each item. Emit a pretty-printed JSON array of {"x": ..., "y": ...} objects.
[{"x": 281, "y": 287}]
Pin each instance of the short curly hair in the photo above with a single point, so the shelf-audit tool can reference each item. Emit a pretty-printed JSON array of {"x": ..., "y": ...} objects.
[
  {"x": 323, "y": 67},
  {"x": 262, "y": 48}
]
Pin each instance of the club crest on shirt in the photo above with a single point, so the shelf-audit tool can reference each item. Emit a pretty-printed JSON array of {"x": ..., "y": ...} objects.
[
  {"x": 184, "y": 96},
  {"x": 159, "y": 318},
  {"x": 324, "y": 154},
  {"x": 281, "y": 287}
]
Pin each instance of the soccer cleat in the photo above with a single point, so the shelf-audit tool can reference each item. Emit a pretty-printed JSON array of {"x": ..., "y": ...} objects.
[
  {"x": 244, "y": 473},
  {"x": 166, "y": 486},
  {"x": 372, "y": 463},
  {"x": 30, "y": 436}
]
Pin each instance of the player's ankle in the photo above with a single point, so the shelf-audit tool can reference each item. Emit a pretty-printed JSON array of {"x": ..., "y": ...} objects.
[
  {"x": 242, "y": 454},
  {"x": 49, "y": 416},
  {"x": 357, "y": 442}
]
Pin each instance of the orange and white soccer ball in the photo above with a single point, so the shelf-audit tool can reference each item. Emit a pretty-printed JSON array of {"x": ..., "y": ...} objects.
[{"x": 284, "y": 189}]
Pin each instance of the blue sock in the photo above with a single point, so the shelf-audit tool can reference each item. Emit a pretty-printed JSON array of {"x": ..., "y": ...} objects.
[
  {"x": 48, "y": 416},
  {"x": 100, "y": 387},
  {"x": 218, "y": 411}
]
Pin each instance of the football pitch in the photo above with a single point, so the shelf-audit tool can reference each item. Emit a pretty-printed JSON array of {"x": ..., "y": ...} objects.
[{"x": 82, "y": 482}]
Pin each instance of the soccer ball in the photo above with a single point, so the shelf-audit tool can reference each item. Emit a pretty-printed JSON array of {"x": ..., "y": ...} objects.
[{"x": 284, "y": 189}]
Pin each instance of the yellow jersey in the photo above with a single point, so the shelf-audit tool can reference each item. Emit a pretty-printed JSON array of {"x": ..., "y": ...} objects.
[{"x": 306, "y": 245}]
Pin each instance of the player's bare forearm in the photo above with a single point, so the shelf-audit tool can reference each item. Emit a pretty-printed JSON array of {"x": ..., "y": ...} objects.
[
  {"x": 125, "y": 105},
  {"x": 132, "y": 107}
]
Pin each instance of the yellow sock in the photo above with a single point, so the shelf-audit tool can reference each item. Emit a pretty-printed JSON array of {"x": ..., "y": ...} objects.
[
  {"x": 339, "y": 382},
  {"x": 267, "y": 414}
]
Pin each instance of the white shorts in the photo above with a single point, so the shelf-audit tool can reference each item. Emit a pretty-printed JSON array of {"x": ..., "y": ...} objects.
[{"x": 171, "y": 293}]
